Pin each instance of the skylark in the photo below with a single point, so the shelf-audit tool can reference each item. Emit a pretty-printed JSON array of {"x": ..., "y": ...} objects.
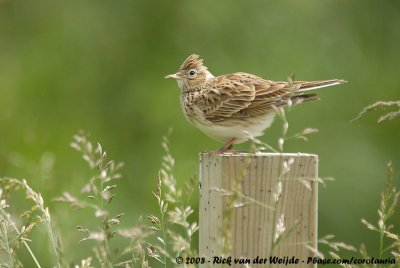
[{"x": 232, "y": 108}]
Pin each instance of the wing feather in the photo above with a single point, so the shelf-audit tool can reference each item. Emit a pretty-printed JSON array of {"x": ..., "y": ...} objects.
[
  {"x": 240, "y": 95},
  {"x": 243, "y": 95}
]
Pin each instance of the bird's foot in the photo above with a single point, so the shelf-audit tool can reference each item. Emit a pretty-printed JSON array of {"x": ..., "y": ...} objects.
[{"x": 227, "y": 146}]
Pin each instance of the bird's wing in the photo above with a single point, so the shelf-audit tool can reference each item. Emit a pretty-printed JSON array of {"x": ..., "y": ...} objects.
[
  {"x": 224, "y": 97},
  {"x": 240, "y": 95},
  {"x": 269, "y": 94}
]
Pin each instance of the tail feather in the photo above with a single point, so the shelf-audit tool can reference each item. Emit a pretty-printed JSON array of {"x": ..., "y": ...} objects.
[
  {"x": 306, "y": 86},
  {"x": 298, "y": 99}
]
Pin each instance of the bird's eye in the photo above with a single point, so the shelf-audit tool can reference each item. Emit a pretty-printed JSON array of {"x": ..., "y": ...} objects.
[{"x": 192, "y": 72}]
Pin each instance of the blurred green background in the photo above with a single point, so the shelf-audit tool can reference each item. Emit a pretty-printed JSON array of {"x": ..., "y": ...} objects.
[{"x": 99, "y": 66}]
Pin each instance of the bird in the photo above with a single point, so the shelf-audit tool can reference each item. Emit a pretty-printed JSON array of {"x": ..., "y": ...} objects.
[{"x": 233, "y": 108}]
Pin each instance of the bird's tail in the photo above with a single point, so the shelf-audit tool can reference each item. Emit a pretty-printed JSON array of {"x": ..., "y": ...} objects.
[
  {"x": 306, "y": 86},
  {"x": 297, "y": 99}
]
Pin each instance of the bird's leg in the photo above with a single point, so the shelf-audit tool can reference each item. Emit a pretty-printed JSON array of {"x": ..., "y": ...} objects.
[{"x": 227, "y": 146}]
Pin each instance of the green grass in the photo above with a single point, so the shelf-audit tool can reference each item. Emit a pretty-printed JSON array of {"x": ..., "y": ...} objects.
[{"x": 169, "y": 233}]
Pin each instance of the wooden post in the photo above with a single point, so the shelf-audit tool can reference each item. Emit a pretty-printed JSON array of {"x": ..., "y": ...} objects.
[{"x": 258, "y": 205}]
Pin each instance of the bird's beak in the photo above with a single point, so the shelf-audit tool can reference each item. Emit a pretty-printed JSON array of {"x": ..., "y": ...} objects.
[{"x": 173, "y": 76}]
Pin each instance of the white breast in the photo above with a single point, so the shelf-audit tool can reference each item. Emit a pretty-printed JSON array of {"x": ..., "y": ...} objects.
[{"x": 254, "y": 127}]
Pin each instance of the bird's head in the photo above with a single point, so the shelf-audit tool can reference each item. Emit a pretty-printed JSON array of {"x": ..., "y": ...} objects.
[{"x": 191, "y": 73}]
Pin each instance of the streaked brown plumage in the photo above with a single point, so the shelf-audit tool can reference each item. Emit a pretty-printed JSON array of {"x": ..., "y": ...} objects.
[{"x": 231, "y": 108}]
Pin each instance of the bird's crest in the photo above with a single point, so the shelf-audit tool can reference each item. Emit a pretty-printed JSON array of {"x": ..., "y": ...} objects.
[{"x": 192, "y": 62}]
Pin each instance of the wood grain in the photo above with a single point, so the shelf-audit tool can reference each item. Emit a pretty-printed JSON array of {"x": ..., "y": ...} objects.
[{"x": 240, "y": 207}]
